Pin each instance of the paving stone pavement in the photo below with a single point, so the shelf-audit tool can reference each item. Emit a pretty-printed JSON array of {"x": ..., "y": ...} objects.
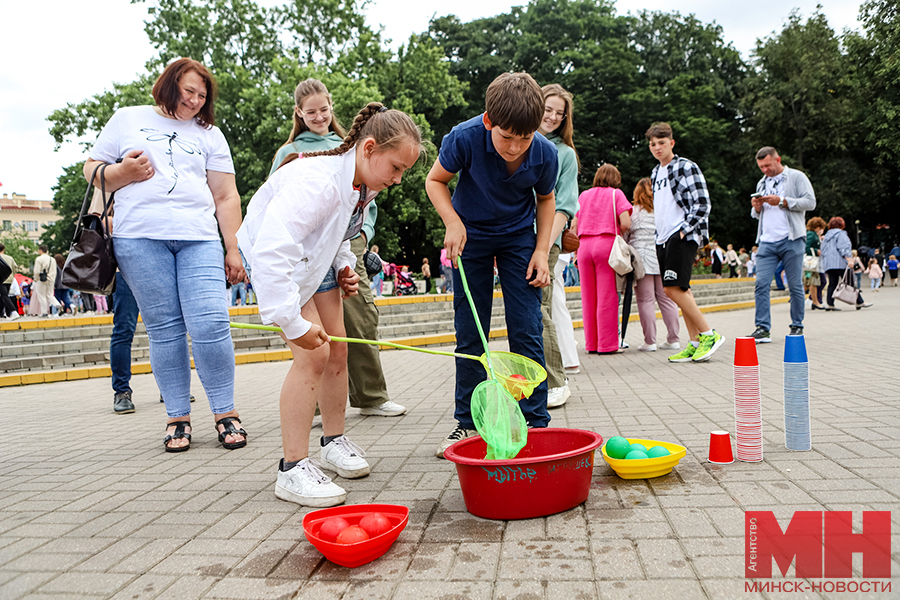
[{"x": 92, "y": 507}]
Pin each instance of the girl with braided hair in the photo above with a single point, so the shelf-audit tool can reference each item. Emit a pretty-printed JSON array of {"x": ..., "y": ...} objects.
[{"x": 295, "y": 241}]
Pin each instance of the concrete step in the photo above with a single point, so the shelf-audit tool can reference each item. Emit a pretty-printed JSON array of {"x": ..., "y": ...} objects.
[{"x": 41, "y": 344}]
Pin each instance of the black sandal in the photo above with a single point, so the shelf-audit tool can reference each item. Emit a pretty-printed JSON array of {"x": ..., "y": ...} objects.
[
  {"x": 228, "y": 424},
  {"x": 179, "y": 433}
]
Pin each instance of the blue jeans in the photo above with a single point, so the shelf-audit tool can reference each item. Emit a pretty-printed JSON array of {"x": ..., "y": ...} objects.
[
  {"x": 768, "y": 257},
  {"x": 779, "y": 283},
  {"x": 523, "y": 317},
  {"x": 124, "y": 321},
  {"x": 64, "y": 297},
  {"x": 239, "y": 289},
  {"x": 447, "y": 272},
  {"x": 178, "y": 286}
]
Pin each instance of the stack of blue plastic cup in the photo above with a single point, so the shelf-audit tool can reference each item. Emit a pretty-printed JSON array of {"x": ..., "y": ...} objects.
[{"x": 797, "y": 434}]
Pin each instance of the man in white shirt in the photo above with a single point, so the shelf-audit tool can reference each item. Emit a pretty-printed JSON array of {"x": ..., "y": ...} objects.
[{"x": 783, "y": 196}]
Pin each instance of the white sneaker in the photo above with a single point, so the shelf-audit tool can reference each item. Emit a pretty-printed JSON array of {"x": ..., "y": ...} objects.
[
  {"x": 573, "y": 370},
  {"x": 13, "y": 316},
  {"x": 457, "y": 434},
  {"x": 345, "y": 457},
  {"x": 388, "y": 409},
  {"x": 557, "y": 396},
  {"x": 623, "y": 344},
  {"x": 668, "y": 346},
  {"x": 307, "y": 485},
  {"x": 647, "y": 348}
]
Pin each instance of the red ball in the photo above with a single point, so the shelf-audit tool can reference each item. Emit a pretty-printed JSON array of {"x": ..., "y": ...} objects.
[
  {"x": 517, "y": 389},
  {"x": 352, "y": 535},
  {"x": 332, "y": 527},
  {"x": 375, "y": 524}
]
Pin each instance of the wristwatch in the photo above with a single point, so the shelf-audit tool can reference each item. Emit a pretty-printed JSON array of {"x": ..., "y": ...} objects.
[{"x": 783, "y": 202}]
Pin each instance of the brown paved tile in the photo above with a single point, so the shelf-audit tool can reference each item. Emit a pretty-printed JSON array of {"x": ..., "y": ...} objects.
[{"x": 130, "y": 521}]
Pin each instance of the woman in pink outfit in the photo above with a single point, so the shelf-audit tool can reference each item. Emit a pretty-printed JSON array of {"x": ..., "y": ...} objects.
[
  {"x": 598, "y": 221},
  {"x": 642, "y": 237}
]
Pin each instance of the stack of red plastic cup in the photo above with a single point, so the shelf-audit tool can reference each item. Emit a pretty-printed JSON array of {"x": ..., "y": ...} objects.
[{"x": 747, "y": 402}]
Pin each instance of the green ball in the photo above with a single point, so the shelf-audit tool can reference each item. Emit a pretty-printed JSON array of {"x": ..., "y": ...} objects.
[
  {"x": 639, "y": 448},
  {"x": 617, "y": 447},
  {"x": 636, "y": 455},
  {"x": 657, "y": 451}
]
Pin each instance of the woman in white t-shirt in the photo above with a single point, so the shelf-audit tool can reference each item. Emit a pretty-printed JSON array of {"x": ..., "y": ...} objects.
[{"x": 172, "y": 172}]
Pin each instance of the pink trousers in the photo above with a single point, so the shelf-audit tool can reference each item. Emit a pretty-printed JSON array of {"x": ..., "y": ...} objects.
[
  {"x": 599, "y": 299},
  {"x": 649, "y": 290}
]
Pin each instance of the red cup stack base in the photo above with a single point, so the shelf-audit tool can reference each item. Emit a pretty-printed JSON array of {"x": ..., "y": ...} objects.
[{"x": 747, "y": 402}]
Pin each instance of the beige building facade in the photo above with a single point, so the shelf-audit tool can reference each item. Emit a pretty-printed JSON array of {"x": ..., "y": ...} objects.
[{"x": 17, "y": 211}]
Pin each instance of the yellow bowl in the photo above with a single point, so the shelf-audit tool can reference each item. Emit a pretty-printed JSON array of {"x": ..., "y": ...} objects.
[{"x": 645, "y": 468}]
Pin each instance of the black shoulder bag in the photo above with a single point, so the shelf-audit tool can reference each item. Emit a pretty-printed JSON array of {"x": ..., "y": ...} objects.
[{"x": 91, "y": 266}]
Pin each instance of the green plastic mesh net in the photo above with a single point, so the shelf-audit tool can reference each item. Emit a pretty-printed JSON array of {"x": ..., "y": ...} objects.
[{"x": 495, "y": 408}]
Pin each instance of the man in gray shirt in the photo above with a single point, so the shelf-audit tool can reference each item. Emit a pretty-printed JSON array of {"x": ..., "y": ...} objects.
[{"x": 782, "y": 198}]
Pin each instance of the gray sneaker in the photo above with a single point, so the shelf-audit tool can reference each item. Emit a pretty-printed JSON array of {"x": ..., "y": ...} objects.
[
  {"x": 122, "y": 404},
  {"x": 459, "y": 433},
  {"x": 761, "y": 335}
]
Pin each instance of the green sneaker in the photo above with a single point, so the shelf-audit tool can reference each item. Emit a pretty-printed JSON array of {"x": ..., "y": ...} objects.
[
  {"x": 708, "y": 345},
  {"x": 685, "y": 355}
]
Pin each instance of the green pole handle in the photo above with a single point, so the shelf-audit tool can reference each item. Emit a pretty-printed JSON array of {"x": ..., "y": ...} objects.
[
  {"x": 487, "y": 351},
  {"x": 362, "y": 341}
]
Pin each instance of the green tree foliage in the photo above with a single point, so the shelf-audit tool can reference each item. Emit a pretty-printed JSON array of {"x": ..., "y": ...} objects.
[
  {"x": 624, "y": 72},
  {"x": 20, "y": 247},
  {"x": 68, "y": 196},
  {"x": 692, "y": 79},
  {"x": 829, "y": 103},
  {"x": 324, "y": 29},
  {"x": 803, "y": 99},
  {"x": 875, "y": 81},
  {"x": 258, "y": 56}
]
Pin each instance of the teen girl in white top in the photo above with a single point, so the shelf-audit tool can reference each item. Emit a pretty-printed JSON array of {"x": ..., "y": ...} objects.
[{"x": 295, "y": 239}]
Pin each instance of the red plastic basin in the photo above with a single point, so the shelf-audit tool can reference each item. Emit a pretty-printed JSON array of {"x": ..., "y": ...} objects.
[
  {"x": 355, "y": 555},
  {"x": 551, "y": 474}
]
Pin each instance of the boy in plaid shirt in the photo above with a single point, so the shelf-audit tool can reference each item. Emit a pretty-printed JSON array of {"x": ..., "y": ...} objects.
[{"x": 681, "y": 204}]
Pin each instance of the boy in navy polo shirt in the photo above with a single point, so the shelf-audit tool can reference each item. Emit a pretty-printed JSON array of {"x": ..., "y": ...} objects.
[{"x": 503, "y": 165}]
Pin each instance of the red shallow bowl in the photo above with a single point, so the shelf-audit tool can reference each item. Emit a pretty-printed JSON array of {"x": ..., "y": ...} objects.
[
  {"x": 551, "y": 474},
  {"x": 360, "y": 553}
]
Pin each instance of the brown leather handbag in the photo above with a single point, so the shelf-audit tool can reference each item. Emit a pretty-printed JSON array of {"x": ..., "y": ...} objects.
[
  {"x": 570, "y": 241},
  {"x": 91, "y": 266}
]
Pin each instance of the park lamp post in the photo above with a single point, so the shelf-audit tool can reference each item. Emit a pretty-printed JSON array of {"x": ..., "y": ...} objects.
[{"x": 857, "y": 232}]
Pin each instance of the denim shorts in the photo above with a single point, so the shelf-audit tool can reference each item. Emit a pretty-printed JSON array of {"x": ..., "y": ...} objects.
[{"x": 328, "y": 284}]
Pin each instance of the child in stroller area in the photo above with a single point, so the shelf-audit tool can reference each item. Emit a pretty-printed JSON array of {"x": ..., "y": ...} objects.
[{"x": 404, "y": 285}]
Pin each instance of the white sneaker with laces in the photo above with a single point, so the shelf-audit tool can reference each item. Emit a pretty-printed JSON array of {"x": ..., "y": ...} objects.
[
  {"x": 13, "y": 316},
  {"x": 345, "y": 457},
  {"x": 670, "y": 346},
  {"x": 457, "y": 434},
  {"x": 388, "y": 409},
  {"x": 647, "y": 348},
  {"x": 557, "y": 396},
  {"x": 307, "y": 485}
]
